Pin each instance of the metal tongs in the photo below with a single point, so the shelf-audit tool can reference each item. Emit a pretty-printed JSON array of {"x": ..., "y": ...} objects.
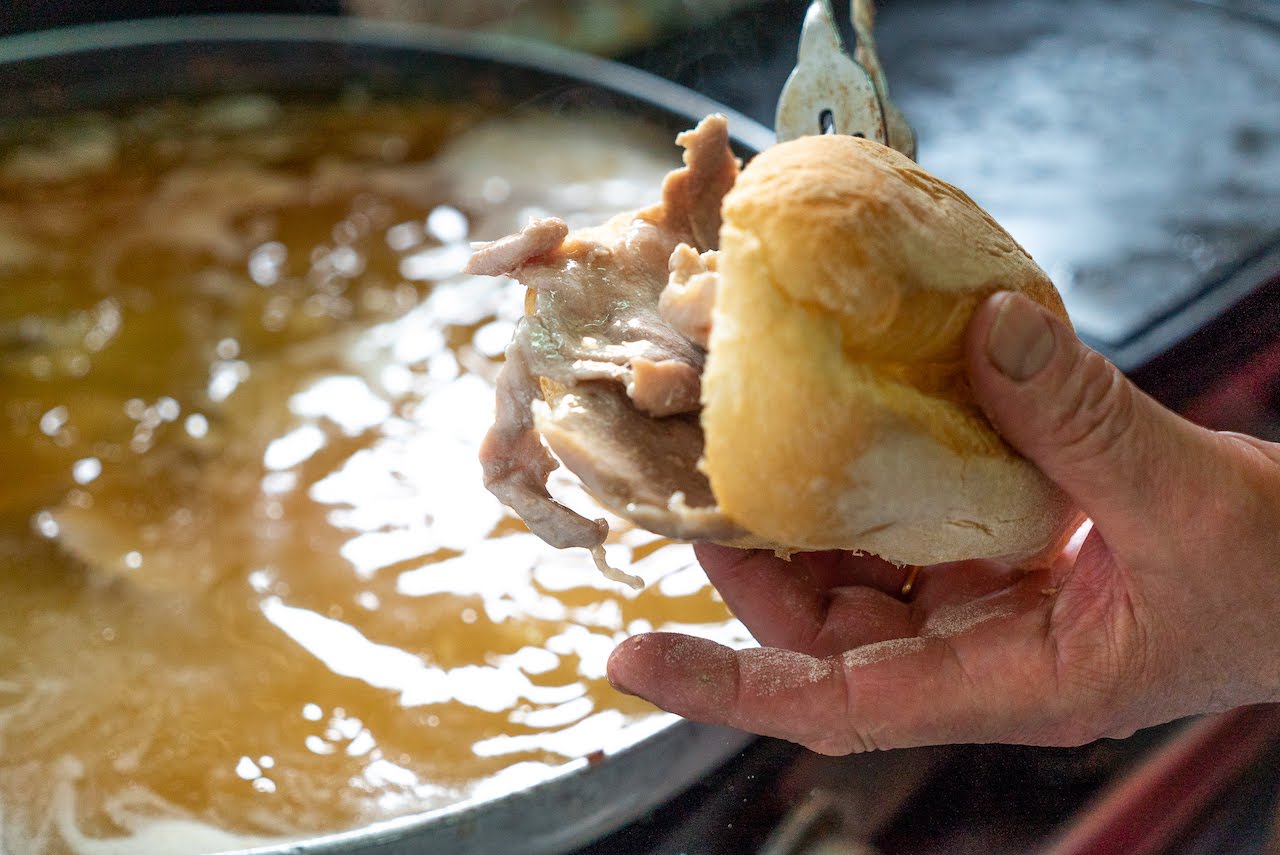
[{"x": 832, "y": 92}]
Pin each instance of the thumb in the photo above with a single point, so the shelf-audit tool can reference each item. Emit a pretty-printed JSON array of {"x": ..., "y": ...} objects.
[{"x": 1125, "y": 460}]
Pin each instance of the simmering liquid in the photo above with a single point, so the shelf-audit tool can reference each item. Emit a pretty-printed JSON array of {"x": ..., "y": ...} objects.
[{"x": 250, "y": 583}]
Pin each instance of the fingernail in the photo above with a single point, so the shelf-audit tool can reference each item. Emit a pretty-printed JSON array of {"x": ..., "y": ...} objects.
[{"x": 1021, "y": 338}]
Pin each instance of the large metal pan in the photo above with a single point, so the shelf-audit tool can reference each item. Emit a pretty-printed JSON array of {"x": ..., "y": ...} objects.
[{"x": 116, "y": 64}]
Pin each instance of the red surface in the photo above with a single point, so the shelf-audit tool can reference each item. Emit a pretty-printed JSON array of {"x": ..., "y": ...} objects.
[{"x": 1148, "y": 810}]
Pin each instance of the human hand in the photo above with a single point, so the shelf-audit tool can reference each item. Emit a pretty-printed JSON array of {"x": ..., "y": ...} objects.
[{"x": 1167, "y": 605}]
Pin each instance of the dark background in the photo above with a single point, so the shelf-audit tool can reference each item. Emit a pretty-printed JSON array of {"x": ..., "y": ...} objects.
[{"x": 21, "y": 15}]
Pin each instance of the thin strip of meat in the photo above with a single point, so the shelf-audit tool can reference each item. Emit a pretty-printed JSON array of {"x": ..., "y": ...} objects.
[
  {"x": 691, "y": 196},
  {"x": 516, "y": 466},
  {"x": 506, "y": 254}
]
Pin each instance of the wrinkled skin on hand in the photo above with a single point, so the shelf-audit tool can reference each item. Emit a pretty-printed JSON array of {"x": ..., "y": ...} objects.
[{"x": 1167, "y": 604}]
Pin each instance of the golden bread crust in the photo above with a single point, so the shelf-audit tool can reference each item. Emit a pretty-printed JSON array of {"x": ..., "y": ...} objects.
[{"x": 835, "y": 405}]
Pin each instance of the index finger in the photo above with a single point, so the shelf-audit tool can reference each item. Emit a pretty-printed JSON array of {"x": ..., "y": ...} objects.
[{"x": 892, "y": 694}]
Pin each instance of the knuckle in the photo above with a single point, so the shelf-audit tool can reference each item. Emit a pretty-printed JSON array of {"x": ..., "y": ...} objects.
[
  {"x": 846, "y": 733},
  {"x": 1096, "y": 410}
]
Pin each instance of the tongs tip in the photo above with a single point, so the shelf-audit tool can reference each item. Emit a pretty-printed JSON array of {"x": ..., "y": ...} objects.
[{"x": 830, "y": 91}]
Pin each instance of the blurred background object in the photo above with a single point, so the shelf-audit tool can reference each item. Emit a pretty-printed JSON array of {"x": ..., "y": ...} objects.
[
  {"x": 1133, "y": 147},
  {"x": 598, "y": 26}
]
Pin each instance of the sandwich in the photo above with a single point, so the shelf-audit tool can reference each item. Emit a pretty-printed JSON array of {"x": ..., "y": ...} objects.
[{"x": 770, "y": 357}]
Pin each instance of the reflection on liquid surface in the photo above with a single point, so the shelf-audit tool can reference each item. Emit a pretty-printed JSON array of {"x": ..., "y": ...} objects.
[{"x": 249, "y": 578}]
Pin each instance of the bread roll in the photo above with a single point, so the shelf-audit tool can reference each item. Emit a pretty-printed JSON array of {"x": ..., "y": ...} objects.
[
  {"x": 836, "y": 410},
  {"x": 837, "y": 279}
]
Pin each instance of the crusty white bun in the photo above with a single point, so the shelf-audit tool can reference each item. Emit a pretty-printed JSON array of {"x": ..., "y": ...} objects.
[
  {"x": 836, "y": 410},
  {"x": 771, "y": 358}
]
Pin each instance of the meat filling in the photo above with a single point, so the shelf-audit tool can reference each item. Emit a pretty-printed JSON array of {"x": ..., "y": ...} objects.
[
  {"x": 503, "y": 256},
  {"x": 614, "y": 343},
  {"x": 690, "y": 294}
]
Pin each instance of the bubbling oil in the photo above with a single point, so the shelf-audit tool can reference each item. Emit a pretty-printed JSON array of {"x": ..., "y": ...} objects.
[{"x": 250, "y": 583}]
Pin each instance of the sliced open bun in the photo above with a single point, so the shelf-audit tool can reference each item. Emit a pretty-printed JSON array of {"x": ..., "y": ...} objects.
[{"x": 835, "y": 405}]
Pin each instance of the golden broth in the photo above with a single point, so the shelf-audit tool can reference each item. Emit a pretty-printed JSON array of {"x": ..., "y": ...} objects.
[{"x": 250, "y": 582}]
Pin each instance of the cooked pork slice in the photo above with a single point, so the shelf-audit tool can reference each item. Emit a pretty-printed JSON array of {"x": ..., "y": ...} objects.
[
  {"x": 691, "y": 196},
  {"x": 664, "y": 388},
  {"x": 644, "y": 468},
  {"x": 516, "y": 464},
  {"x": 622, "y": 382},
  {"x": 503, "y": 256},
  {"x": 690, "y": 294}
]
